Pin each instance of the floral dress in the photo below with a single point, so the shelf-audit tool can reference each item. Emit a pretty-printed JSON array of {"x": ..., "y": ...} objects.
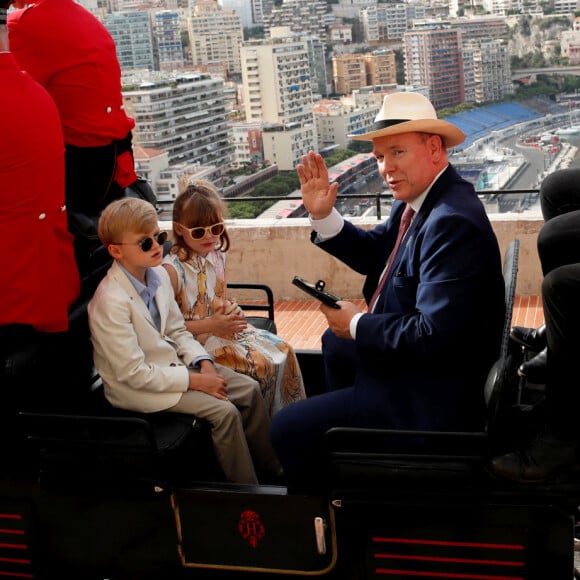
[{"x": 258, "y": 353}]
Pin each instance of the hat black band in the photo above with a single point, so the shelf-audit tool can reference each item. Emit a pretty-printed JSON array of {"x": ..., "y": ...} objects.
[{"x": 389, "y": 123}]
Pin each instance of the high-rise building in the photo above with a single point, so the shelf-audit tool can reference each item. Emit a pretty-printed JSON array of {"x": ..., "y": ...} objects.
[
  {"x": 277, "y": 92},
  {"x": 167, "y": 33},
  {"x": 317, "y": 62},
  {"x": 184, "y": 115},
  {"x": 381, "y": 67},
  {"x": 303, "y": 17},
  {"x": 354, "y": 71},
  {"x": 468, "y": 71},
  {"x": 348, "y": 72},
  {"x": 261, "y": 9},
  {"x": 492, "y": 70},
  {"x": 133, "y": 36},
  {"x": 433, "y": 58},
  {"x": 276, "y": 80},
  {"x": 242, "y": 7},
  {"x": 215, "y": 36},
  {"x": 384, "y": 22}
]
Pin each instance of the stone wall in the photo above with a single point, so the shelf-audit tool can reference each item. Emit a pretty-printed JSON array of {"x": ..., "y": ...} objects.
[{"x": 274, "y": 251}]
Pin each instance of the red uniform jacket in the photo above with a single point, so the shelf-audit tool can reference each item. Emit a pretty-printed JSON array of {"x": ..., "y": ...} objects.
[
  {"x": 70, "y": 53},
  {"x": 39, "y": 275}
]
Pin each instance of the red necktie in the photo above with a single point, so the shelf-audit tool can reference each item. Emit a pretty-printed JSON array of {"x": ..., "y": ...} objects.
[{"x": 406, "y": 219}]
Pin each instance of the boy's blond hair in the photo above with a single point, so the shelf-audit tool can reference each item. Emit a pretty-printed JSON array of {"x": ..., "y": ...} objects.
[{"x": 126, "y": 215}]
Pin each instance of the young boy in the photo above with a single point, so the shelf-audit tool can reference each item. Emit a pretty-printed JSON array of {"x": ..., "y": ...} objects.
[{"x": 150, "y": 362}]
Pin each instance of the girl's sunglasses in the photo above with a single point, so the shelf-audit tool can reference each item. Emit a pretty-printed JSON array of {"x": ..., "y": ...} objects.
[
  {"x": 199, "y": 232},
  {"x": 146, "y": 243}
]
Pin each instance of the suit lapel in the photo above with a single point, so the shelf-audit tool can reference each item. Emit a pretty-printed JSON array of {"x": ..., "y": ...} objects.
[{"x": 136, "y": 300}]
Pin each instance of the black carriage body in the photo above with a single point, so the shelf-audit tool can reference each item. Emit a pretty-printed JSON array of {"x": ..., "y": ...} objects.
[{"x": 89, "y": 492}]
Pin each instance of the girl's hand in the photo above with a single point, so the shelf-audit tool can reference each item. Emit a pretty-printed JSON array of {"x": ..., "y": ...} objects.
[{"x": 228, "y": 325}]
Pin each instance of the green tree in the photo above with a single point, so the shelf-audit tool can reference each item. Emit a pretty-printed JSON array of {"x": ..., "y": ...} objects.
[
  {"x": 360, "y": 146},
  {"x": 247, "y": 209}
]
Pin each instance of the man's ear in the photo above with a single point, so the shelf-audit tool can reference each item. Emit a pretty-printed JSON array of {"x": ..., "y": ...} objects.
[
  {"x": 436, "y": 145},
  {"x": 438, "y": 142}
]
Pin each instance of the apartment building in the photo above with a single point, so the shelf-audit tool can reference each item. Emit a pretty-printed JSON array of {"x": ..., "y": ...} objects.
[
  {"x": 570, "y": 42},
  {"x": 336, "y": 119},
  {"x": 261, "y": 9},
  {"x": 215, "y": 35},
  {"x": 247, "y": 143},
  {"x": 354, "y": 71},
  {"x": 277, "y": 93},
  {"x": 503, "y": 7},
  {"x": 285, "y": 144},
  {"x": 381, "y": 67},
  {"x": 133, "y": 36},
  {"x": 481, "y": 27},
  {"x": 348, "y": 72},
  {"x": 317, "y": 61},
  {"x": 492, "y": 71},
  {"x": 242, "y": 7},
  {"x": 184, "y": 115},
  {"x": 340, "y": 33},
  {"x": 167, "y": 34},
  {"x": 303, "y": 17},
  {"x": 384, "y": 23},
  {"x": 433, "y": 57},
  {"x": 469, "y": 50}
]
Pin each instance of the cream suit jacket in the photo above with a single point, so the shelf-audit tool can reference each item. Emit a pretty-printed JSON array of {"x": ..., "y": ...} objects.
[{"x": 143, "y": 369}]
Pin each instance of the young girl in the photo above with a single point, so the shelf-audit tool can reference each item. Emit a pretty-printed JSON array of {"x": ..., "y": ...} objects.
[{"x": 196, "y": 267}]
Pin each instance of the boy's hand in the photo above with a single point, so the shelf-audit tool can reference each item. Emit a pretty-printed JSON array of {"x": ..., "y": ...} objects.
[{"x": 209, "y": 381}]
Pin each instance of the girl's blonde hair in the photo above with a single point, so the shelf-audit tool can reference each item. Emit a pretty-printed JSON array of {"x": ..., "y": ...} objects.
[
  {"x": 198, "y": 205},
  {"x": 128, "y": 214}
]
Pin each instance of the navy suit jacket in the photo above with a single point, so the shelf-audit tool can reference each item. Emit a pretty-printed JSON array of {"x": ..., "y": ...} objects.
[{"x": 423, "y": 355}]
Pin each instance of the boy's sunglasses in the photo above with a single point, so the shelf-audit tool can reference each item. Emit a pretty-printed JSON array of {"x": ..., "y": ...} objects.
[
  {"x": 199, "y": 232},
  {"x": 146, "y": 243}
]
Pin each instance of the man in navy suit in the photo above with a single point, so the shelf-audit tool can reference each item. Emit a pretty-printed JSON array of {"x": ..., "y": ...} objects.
[{"x": 418, "y": 357}]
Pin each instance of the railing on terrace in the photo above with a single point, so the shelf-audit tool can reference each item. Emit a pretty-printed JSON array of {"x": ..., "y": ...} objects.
[{"x": 526, "y": 198}]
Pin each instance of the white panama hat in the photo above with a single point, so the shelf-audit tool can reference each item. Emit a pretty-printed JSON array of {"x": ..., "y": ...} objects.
[{"x": 408, "y": 113}]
